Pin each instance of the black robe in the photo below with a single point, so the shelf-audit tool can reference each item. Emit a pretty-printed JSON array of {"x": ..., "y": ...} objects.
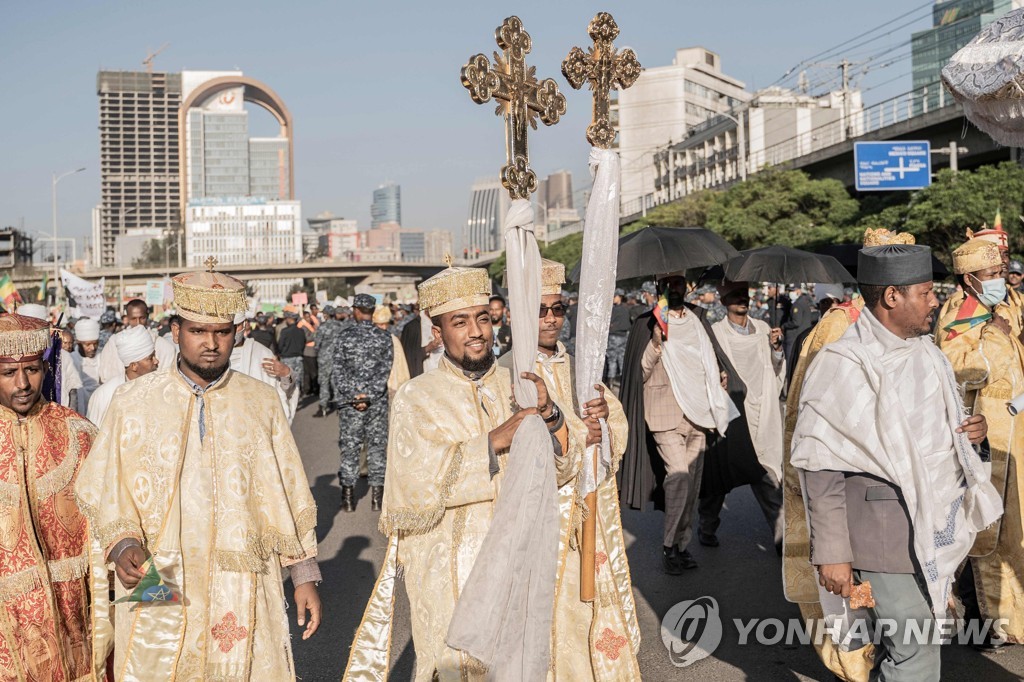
[
  {"x": 414, "y": 355},
  {"x": 728, "y": 462}
]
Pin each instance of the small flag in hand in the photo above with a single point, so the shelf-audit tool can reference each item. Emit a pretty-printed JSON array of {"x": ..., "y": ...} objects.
[{"x": 151, "y": 588}]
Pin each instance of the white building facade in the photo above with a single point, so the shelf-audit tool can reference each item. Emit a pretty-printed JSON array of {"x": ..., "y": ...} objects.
[{"x": 660, "y": 108}]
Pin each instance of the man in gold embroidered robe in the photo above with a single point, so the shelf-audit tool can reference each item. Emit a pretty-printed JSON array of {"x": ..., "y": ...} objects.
[
  {"x": 44, "y": 617},
  {"x": 977, "y": 335},
  {"x": 450, "y": 432},
  {"x": 599, "y": 640},
  {"x": 197, "y": 470}
]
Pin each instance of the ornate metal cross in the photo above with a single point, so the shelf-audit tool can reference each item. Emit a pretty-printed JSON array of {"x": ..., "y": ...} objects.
[
  {"x": 604, "y": 69},
  {"x": 521, "y": 100},
  {"x": 210, "y": 263}
]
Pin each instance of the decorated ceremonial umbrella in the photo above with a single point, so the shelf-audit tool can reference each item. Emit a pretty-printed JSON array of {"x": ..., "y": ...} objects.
[
  {"x": 987, "y": 77},
  {"x": 661, "y": 250}
]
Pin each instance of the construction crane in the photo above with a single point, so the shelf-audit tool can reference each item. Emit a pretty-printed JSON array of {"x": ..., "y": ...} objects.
[{"x": 148, "y": 61}]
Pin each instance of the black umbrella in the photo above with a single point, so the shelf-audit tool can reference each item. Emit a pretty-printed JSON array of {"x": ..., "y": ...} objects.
[
  {"x": 661, "y": 250},
  {"x": 784, "y": 265},
  {"x": 846, "y": 254}
]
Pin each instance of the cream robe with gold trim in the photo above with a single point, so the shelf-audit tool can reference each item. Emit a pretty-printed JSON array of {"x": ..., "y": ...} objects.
[
  {"x": 990, "y": 366},
  {"x": 438, "y": 500},
  {"x": 599, "y": 640},
  {"x": 221, "y": 518}
]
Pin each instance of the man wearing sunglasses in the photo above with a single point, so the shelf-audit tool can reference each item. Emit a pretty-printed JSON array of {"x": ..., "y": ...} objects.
[{"x": 576, "y": 619}]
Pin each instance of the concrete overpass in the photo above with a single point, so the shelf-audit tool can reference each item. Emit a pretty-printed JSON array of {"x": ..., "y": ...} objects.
[{"x": 28, "y": 277}]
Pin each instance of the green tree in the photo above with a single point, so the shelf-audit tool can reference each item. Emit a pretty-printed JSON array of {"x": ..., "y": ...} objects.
[
  {"x": 940, "y": 215},
  {"x": 783, "y": 207}
]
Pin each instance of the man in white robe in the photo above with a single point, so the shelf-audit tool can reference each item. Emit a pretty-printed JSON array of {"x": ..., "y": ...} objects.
[
  {"x": 136, "y": 313},
  {"x": 894, "y": 488},
  {"x": 257, "y": 361},
  {"x": 137, "y": 352},
  {"x": 86, "y": 360},
  {"x": 756, "y": 353}
]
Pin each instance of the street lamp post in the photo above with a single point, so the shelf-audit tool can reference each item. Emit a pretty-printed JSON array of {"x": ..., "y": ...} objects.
[
  {"x": 56, "y": 267},
  {"x": 120, "y": 264}
]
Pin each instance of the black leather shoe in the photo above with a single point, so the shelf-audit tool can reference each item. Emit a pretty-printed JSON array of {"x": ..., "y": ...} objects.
[
  {"x": 707, "y": 539},
  {"x": 319, "y": 413},
  {"x": 348, "y": 498},
  {"x": 675, "y": 562},
  {"x": 376, "y": 495}
]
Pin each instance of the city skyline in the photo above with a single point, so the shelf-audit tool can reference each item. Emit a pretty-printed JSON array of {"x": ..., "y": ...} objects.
[{"x": 366, "y": 111}]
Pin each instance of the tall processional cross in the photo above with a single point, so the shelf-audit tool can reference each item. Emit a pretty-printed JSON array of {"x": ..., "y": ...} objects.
[
  {"x": 521, "y": 100},
  {"x": 604, "y": 68}
]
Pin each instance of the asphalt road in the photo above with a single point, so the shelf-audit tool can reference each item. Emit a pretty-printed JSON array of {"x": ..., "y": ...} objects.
[{"x": 743, "y": 575}]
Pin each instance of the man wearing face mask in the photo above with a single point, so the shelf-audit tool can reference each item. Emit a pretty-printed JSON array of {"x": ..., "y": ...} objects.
[{"x": 988, "y": 358}]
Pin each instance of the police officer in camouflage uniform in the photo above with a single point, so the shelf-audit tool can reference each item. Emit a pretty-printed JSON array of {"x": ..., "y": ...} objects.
[
  {"x": 324, "y": 340},
  {"x": 707, "y": 298},
  {"x": 361, "y": 365}
]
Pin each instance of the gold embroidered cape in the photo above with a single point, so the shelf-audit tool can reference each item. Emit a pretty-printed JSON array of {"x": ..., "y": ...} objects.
[
  {"x": 44, "y": 620},
  {"x": 800, "y": 580},
  {"x": 221, "y": 516},
  {"x": 990, "y": 366},
  {"x": 600, "y": 640},
  {"x": 438, "y": 501}
]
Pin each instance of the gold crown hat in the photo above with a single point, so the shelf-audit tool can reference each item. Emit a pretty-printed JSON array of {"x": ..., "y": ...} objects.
[
  {"x": 552, "y": 277},
  {"x": 22, "y": 338},
  {"x": 974, "y": 255},
  {"x": 884, "y": 237},
  {"x": 454, "y": 288},
  {"x": 209, "y": 297}
]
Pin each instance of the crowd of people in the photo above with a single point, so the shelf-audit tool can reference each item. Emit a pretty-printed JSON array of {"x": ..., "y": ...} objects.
[{"x": 154, "y": 461}]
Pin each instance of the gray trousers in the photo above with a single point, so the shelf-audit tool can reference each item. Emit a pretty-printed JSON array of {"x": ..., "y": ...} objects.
[
  {"x": 682, "y": 450},
  {"x": 324, "y": 369},
  {"x": 768, "y": 495},
  {"x": 898, "y": 597},
  {"x": 356, "y": 429}
]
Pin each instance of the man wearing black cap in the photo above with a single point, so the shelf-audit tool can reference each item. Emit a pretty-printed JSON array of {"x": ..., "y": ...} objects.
[
  {"x": 1015, "y": 276},
  {"x": 362, "y": 358},
  {"x": 889, "y": 470}
]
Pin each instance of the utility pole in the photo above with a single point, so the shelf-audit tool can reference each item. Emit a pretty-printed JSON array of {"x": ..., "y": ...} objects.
[{"x": 844, "y": 67}]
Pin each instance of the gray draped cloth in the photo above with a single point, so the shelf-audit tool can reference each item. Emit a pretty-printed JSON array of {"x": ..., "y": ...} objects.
[{"x": 504, "y": 614}]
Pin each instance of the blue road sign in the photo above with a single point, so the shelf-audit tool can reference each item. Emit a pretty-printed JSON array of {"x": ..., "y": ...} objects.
[{"x": 888, "y": 166}]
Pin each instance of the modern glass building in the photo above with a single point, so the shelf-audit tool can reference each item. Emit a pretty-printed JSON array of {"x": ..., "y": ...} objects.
[
  {"x": 488, "y": 204},
  {"x": 139, "y": 164},
  {"x": 387, "y": 205}
]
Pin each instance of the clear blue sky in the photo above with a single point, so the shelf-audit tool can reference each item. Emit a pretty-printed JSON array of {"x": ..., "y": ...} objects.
[{"x": 373, "y": 86}]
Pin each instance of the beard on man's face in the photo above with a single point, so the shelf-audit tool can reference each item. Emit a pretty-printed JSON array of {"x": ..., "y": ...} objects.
[
  {"x": 207, "y": 372},
  {"x": 481, "y": 364}
]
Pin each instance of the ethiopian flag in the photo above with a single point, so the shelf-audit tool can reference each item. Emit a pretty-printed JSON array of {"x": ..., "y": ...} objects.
[
  {"x": 151, "y": 587},
  {"x": 8, "y": 293},
  {"x": 970, "y": 315},
  {"x": 41, "y": 296}
]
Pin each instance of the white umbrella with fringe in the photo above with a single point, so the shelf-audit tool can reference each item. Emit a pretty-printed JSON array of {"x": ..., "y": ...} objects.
[{"x": 987, "y": 77}]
